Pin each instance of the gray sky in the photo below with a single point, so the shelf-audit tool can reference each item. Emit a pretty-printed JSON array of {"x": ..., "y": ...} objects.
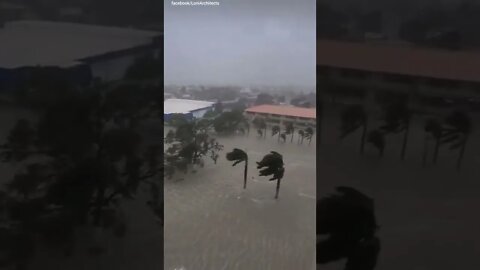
[{"x": 242, "y": 42}]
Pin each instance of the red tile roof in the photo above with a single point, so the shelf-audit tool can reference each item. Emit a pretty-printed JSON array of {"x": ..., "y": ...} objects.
[
  {"x": 404, "y": 60},
  {"x": 284, "y": 110}
]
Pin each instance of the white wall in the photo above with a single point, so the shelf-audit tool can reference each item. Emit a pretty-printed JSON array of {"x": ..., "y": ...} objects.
[{"x": 112, "y": 69}]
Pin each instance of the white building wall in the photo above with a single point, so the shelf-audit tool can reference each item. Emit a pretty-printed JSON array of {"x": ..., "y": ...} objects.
[{"x": 201, "y": 113}]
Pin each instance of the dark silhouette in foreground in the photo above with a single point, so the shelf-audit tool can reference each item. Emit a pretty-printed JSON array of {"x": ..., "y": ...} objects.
[
  {"x": 348, "y": 218},
  {"x": 238, "y": 156},
  {"x": 272, "y": 165}
]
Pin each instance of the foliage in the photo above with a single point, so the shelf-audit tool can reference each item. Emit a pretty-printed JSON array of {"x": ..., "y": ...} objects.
[
  {"x": 271, "y": 165},
  {"x": 377, "y": 139},
  {"x": 238, "y": 156},
  {"x": 80, "y": 164},
  {"x": 348, "y": 218},
  {"x": 188, "y": 144},
  {"x": 228, "y": 122},
  {"x": 352, "y": 118}
]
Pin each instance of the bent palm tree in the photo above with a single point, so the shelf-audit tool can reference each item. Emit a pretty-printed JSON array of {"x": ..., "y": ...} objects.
[
  {"x": 309, "y": 134},
  {"x": 435, "y": 129},
  {"x": 457, "y": 133},
  {"x": 301, "y": 136},
  {"x": 348, "y": 218},
  {"x": 397, "y": 120},
  {"x": 238, "y": 156},
  {"x": 276, "y": 131},
  {"x": 353, "y": 118},
  {"x": 272, "y": 165},
  {"x": 377, "y": 138},
  {"x": 290, "y": 130}
]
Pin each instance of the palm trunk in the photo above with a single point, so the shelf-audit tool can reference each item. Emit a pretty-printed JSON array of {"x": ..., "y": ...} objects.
[
  {"x": 293, "y": 133},
  {"x": 278, "y": 188},
  {"x": 310, "y": 139},
  {"x": 364, "y": 134},
  {"x": 245, "y": 175},
  {"x": 462, "y": 153},
  {"x": 265, "y": 132},
  {"x": 405, "y": 141}
]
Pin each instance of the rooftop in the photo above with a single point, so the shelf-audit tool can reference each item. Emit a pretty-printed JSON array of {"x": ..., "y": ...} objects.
[
  {"x": 284, "y": 110},
  {"x": 402, "y": 60},
  {"x": 184, "y": 105},
  {"x": 43, "y": 43}
]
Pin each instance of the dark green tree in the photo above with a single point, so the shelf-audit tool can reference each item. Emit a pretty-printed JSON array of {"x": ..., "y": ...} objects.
[
  {"x": 276, "y": 131},
  {"x": 290, "y": 130},
  {"x": 348, "y": 218},
  {"x": 261, "y": 125},
  {"x": 353, "y": 118},
  {"x": 434, "y": 129},
  {"x": 396, "y": 120},
  {"x": 238, "y": 156},
  {"x": 377, "y": 139},
  {"x": 456, "y": 133},
  {"x": 272, "y": 165}
]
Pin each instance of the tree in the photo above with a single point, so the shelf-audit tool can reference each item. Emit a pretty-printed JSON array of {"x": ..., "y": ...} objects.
[
  {"x": 145, "y": 68},
  {"x": 228, "y": 122},
  {"x": 260, "y": 124},
  {"x": 397, "y": 119},
  {"x": 301, "y": 136},
  {"x": 435, "y": 130},
  {"x": 289, "y": 129},
  {"x": 377, "y": 139},
  {"x": 348, "y": 218},
  {"x": 276, "y": 131},
  {"x": 264, "y": 98},
  {"x": 238, "y": 156},
  {"x": 272, "y": 165},
  {"x": 188, "y": 147},
  {"x": 352, "y": 118},
  {"x": 88, "y": 163},
  {"x": 459, "y": 127},
  {"x": 308, "y": 134}
]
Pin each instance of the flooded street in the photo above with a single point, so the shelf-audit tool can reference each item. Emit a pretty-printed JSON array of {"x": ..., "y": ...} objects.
[{"x": 212, "y": 223}]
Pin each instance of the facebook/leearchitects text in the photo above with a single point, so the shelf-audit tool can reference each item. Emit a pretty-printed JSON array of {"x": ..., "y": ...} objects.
[{"x": 195, "y": 3}]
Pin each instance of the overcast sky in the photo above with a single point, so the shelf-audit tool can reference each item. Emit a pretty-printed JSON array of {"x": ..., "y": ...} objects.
[{"x": 242, "y": 42}]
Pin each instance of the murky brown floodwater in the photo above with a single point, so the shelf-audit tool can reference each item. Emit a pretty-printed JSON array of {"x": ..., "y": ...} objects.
[{"x": 212, "y": 223}]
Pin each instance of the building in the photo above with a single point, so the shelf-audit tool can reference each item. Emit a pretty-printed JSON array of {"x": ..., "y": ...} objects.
[
  {"x": 86, "y": 52},
  {"x": 192, "y": 109},
  {"x": 279, "y": 114},
  {"x": 368, "y": 71}
]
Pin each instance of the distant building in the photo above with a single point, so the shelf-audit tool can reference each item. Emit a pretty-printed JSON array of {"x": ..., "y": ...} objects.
[
  {"x": 368, "y": 71},
  {"x": 278, "y": 114},
  {"x": 85, "y": 52},
  {"x": 192, "y": 109}
]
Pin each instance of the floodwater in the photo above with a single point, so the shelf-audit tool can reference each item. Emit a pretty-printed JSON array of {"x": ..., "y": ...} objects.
[
  {"x": 428, "y": 216},
  {"x": 212, "y": 223}
]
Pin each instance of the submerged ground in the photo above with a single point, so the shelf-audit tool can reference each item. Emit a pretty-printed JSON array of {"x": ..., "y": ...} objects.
[
  {"x": 212, "y": 223},
  {"x": 428, "y": 216}
]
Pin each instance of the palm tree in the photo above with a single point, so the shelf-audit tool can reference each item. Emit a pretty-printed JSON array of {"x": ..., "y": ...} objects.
[
  {"x": 260, "y": 124},
  {"x": 276, "y": 131},
  {"x": 238, "y": 156},
  {"x": 459, "y": 127},
  {"x": 435, "y": 129},
  {"x": 353, "y": 118},
  {"x": 377, "y": 138},
  {"x": 348, "y": 218},
  {"x": 397, "y": 120},
  {"x": 289, "y": 129},
  {"x": 301, "y": 136},
  {"x": 309, "y": 134},
  {"x": 283, "y": 136},
  {"x": 272, "y": 165}
]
